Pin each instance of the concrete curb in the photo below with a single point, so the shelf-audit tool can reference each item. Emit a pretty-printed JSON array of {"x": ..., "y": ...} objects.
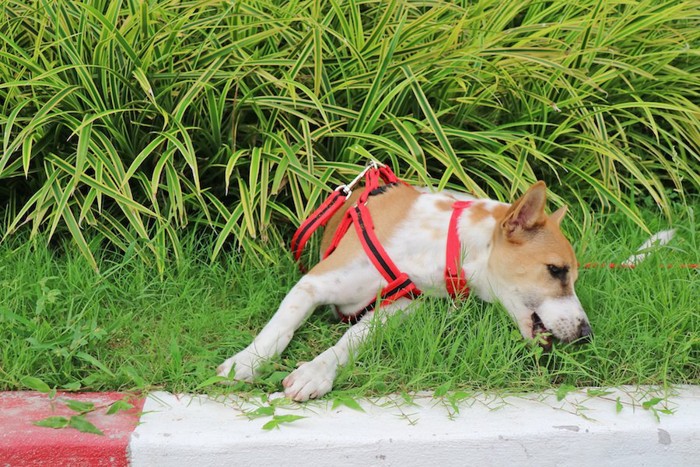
[
  {"x": 584, "y": 428},
  {"x": 486, "y": 430}
]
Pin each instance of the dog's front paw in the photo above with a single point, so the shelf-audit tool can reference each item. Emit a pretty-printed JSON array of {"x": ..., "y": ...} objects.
[
  {"x": 245, "y": 363},
  {"x": 311, "y": 380}
]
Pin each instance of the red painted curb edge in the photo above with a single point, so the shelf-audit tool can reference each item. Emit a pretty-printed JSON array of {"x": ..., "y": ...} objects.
[{"x": 24, "y": 444}]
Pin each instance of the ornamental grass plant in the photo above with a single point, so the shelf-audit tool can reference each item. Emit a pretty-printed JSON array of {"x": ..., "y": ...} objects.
[{"x": 131, "y": 122}]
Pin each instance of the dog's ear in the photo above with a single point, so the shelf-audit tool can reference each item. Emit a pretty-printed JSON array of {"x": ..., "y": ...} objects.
[
  {"x": 527, "y": 213},
  {"x": 559, "y": 214}
]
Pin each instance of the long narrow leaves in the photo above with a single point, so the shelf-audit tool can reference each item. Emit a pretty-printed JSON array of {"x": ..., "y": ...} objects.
[{"x": 131, "y": 121}]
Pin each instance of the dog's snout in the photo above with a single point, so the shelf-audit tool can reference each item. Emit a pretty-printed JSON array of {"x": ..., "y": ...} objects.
[{"x": 585, "y": 333}]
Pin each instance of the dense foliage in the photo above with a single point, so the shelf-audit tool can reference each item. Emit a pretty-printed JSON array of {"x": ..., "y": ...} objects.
[{"x": 131, "y": 120}]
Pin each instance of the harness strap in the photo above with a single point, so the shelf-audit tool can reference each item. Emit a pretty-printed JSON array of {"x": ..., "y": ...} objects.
[
  {"x": 373, "y": 248},
  {"x": 343, "y": 227},
  {"x": 399, "y": 285},
  {"x": 400, "y": 288},
  {"x": 372, "y": 178},
  {"x": 320, "y": 217},
  {"x": 455, "y": 281}
]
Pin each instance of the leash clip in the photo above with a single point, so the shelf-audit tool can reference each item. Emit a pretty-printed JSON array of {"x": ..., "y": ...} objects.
[{"x": 347, "y": 188}]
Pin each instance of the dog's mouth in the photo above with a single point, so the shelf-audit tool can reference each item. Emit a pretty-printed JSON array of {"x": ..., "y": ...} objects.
[{"x": 540, "y": 333}]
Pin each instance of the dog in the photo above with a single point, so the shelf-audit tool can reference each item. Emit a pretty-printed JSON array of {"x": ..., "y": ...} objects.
[{"x": 515, "y": 254}]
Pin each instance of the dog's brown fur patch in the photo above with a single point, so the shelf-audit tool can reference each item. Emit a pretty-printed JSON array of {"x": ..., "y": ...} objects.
[
  {"x": 387, "y": 209},
  {"x": 479, "y": 211}
]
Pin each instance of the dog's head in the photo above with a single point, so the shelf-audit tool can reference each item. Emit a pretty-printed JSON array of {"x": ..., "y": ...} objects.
[{"x": 535, "y": 269}]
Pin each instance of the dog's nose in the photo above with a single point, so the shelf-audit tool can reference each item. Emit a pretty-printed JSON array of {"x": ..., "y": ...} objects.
[{"x": 585, "y": 333}]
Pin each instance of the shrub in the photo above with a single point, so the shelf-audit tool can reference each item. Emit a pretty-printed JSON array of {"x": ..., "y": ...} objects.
[{"x": 132, "y": 120}]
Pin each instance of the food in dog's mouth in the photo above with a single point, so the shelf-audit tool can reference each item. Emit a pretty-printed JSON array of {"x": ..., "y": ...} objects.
[{"x": 540, "y": 332}]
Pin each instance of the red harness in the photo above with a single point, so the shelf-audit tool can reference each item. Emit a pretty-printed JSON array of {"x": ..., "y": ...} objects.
[{"x": 399, "y": 285}]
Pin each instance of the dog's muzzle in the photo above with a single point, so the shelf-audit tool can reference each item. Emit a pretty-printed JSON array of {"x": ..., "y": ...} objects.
[
  {"x": 545, "y": 335},
  {"x": 585, "y": 334}
]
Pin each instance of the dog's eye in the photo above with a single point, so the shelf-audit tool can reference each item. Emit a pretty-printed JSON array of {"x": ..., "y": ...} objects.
[{"x": 558, "y": 272}]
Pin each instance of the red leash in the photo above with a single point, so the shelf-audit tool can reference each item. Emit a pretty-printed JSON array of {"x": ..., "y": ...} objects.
[{"x": 632, "y": 266}]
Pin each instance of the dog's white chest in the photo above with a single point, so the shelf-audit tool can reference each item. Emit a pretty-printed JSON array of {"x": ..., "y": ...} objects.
[{"x": 419, "y": 243}]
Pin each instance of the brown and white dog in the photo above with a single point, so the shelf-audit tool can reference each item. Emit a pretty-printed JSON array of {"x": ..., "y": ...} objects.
[{"x": 512, "y": 253}]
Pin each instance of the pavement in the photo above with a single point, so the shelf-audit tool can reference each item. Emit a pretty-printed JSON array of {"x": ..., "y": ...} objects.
[{"x": 622, "y": 427}]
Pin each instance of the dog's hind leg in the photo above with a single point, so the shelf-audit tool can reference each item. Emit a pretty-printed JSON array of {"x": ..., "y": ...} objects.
[{"x": 315, "y": 378}]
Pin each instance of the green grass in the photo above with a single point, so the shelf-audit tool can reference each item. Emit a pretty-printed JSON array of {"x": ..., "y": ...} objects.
[
  {"x": 129, "y": 327},
  {"x": 154, "y": 156}
]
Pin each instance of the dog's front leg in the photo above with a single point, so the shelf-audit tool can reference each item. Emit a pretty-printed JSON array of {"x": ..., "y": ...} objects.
[
  {"x": 315, "y": 378},
  {"x": 299, "y": 303}
]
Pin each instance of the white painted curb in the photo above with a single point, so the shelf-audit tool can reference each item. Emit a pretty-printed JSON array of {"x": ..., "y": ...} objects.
[{"x": 487, "y": 430}]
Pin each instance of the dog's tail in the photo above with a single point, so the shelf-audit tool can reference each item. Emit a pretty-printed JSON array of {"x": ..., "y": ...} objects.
[{"x": 653, "y": 242}]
